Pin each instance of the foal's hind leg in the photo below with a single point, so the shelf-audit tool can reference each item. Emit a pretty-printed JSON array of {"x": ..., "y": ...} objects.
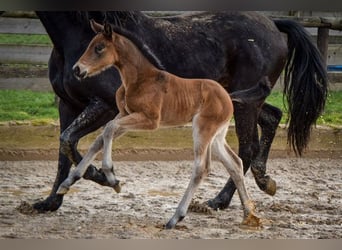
[
  {"x": 201, "y": 168},
  {"x": 234, "y": 167},
  {"x": 247, "y": 131}
]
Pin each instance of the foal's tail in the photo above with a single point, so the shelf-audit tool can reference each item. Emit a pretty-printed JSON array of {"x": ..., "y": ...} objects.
[
  {"x": 305, "y": 84},
  {"x": 256, "y": 94}
]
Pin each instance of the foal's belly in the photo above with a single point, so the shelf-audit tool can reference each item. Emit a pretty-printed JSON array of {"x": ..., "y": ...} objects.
[{"x": 178, "y": 118}]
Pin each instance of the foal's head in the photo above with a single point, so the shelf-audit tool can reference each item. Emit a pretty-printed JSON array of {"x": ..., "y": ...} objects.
[{"x": 100, "y": 54}]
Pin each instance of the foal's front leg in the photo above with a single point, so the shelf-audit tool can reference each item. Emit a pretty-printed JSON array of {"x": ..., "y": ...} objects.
[
  {"x": 110, "y": 133},
  {"x": 202, "y": 152},
  {"x": 96, "y": 146},
  {"x": 200, "y": 170},
  {"x": 81, "y": 167}
]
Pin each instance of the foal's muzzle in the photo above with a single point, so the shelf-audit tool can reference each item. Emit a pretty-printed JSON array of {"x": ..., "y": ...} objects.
[{"x": 77, "y": 72}]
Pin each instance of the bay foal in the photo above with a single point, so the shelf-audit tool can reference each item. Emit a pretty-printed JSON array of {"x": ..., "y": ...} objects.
[{"x": 150, "y": 98}]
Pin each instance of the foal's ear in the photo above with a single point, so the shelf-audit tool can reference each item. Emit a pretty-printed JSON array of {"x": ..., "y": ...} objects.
[
  {"x": 108, "y": 31},
  {"x": 96, "y": 27}
]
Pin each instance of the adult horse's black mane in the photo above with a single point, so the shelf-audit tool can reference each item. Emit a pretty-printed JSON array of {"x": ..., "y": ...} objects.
[
  {"x": 237, "y": 49},
  {"x": 143, "y": 47},
  {"x": 116, "y": 19}
]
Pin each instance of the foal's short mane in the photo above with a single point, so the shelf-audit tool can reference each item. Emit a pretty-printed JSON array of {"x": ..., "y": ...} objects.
[{"x": 143, "y": 48}]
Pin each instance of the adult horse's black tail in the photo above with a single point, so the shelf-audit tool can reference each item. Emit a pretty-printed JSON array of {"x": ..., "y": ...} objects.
[{"x": 305, "y": 84}]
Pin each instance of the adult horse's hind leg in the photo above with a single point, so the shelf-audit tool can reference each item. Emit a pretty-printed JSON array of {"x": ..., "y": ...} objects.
[
  {"x": 269, "y": 119},
  {"x": 233, "y": 164},
  {"x": 202, "y": 143}
]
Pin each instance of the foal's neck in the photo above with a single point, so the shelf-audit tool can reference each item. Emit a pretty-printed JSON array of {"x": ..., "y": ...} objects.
[{"x": 131, "y": 63}]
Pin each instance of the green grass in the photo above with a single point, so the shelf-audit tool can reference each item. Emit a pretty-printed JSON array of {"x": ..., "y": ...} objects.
[
  {"x": 25, "y": 39},
  {"x": 332, "y": 114},
  {"x": 22, "y": 105},
  {"x": 333, "y": 111}
]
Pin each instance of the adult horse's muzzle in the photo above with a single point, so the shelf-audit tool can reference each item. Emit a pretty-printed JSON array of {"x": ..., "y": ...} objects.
[{"x": 78, "y": 73}]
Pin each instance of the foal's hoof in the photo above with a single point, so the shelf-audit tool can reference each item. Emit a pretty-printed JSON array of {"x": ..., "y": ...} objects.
[
  {"x": 251, "y": 222},
  {"x": 117, "y": 186},
  {"x": 170, "y": 225},
  {"x": 173, "y": 221},
  {"x": 62, "y": 189}
]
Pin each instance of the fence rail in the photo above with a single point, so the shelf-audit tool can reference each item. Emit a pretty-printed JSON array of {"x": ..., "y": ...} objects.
[
  {"x": 28, "y": 54},
  {"x": 12, "y": 25},
  {"x": 39, "y": 54}
]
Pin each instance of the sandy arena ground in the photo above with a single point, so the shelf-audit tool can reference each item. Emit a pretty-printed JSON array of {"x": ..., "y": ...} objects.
[{"x": 308, "y": 202}]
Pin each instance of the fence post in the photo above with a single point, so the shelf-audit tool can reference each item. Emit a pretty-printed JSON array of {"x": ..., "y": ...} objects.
[{"x": 323, "y": 42}]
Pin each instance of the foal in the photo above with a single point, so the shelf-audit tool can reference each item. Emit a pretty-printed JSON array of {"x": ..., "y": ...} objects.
[{"x": 150, "y": 98}]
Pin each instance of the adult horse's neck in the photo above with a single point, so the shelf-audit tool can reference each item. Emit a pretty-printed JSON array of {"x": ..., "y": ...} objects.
[
  {"x": 67, "y": 29},
  {"x": 72, "y": 27}
]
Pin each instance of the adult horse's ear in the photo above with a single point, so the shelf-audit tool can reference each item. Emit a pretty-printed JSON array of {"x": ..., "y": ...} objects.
[
  {"x": 96, "y": 27},
  {"x": 108, "y": 30}
]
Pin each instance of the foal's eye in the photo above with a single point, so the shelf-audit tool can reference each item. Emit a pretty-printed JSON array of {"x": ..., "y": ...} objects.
[{"x": 99, "y": 48}]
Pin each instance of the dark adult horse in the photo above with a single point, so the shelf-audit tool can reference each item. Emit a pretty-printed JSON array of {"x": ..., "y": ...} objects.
[{"x": 235, "y": 49}]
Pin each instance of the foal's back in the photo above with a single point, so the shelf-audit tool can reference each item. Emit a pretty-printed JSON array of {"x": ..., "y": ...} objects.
[{"x": 184, "y": 98}]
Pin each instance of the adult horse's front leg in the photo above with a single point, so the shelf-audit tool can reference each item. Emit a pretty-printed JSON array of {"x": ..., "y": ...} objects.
[
  {"x": 93, "y": 117},
  {"x": 246, "y": 129}
]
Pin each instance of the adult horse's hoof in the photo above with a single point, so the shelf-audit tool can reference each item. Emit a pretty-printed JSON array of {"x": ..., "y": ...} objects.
[
  {"x": 267, "y": 184},
  {"x": 215, "y": 204},
  {"x": 271, "y": 186},
  {"x": 220, "y": 202},
  {"x": 50, "y": 204}
]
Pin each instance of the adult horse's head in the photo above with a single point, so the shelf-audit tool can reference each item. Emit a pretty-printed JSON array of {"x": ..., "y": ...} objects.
[{"x": 100, "y": 53}]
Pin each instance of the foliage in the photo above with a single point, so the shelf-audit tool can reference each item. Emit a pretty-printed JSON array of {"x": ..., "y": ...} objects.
[
  {"x": 22, "y": 105},
  {"x": 27, "y": 105},
  {"x": 25, "y": 39}
]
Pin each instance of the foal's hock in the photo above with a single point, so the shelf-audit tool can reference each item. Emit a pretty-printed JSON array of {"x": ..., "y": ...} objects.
[{"x": 149, "y": 98}]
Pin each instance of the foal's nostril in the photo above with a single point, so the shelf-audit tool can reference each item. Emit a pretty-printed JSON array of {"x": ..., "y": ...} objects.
[
  {"x": 76, "y": 70},
  {"x": 82, "y": 75},
  {"x": 78, "y": 73}
]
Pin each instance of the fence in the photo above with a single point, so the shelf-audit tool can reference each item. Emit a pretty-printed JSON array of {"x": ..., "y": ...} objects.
[{"x": 327, "y": 31}]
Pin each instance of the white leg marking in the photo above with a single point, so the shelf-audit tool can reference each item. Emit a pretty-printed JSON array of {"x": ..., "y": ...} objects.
[
  {"x": 82, "y": 166},
  {"x": 198, "y": 173},
  {"x": 110, "y": 133},
  {"x": 233, "y": 164}
]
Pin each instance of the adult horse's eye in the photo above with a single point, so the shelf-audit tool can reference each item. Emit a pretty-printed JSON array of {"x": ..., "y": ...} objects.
[{"x": 99, "y": 48}]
